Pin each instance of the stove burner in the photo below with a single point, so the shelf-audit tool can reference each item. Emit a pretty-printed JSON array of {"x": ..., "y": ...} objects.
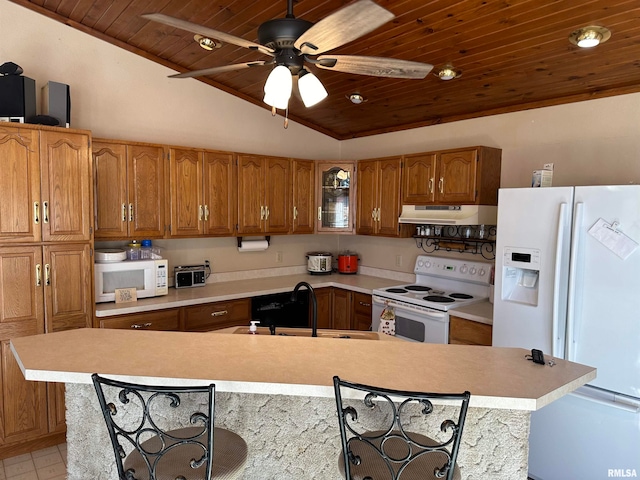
[
  {"x": 396, "y": 290},
  {"x": 418, "y": 288},
  {"x": 438, "y": 299},
  {"x": 463, "y": 296}
]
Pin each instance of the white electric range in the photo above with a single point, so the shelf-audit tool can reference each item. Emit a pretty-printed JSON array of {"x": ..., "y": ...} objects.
[{"x": 421, "y": 308}]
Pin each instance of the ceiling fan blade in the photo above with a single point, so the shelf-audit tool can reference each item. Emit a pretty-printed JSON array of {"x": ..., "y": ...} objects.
[
  {"x": 224, "y": 68},
  {"x": 374, "y": 66},
  {"x": 207, "y": 32},
  {"x": 343, "y": 26}
]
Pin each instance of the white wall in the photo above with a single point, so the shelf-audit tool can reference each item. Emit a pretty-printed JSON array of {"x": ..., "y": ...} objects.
[
  {"x": 590, "y": 143},
  {"x": 117, "y": 94}
]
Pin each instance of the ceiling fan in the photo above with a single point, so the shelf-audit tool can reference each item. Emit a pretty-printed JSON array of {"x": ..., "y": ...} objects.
[{"x": 291, "y": 42}]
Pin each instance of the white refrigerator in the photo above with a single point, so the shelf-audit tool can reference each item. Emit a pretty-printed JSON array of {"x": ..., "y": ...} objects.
[{"x": 567, "y": 282}]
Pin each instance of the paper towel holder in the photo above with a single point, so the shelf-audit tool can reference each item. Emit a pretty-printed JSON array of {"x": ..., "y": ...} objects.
[{"x": 267, "y": 238}]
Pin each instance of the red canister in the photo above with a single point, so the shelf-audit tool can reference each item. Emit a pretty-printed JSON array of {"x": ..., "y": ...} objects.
[{"x": 348, "y": 263}]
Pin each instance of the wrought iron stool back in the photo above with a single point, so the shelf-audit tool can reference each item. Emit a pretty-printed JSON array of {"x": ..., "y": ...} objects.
[
  {"x": 148, "y": 429},
  {"x": 380, "y": 433}
]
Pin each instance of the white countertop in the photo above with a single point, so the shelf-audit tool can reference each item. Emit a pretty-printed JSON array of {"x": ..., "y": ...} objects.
[
  {"x": 263, "y": 364},
  {"x": 215, "y": 292}
]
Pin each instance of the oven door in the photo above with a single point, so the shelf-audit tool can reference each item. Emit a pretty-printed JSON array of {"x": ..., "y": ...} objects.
[{"x": 416, "y": 324}]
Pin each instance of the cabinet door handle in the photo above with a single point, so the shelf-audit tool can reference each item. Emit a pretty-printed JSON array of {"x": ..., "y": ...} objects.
[
  {"x": 36, "y": 213},
  {"x": 441, "y": 184},
  {"x": 261, "y": 212},
  {"x": 431, "y": 181},
  {"x": 373, "y": 214},
  {"x": 219, "y": 314},
  {"x": 319, "y": 213},
  {"x": 200, "y": 213},
  {"x": 364, "y": 304},
  {"x": 45, "y": 212},
  {"x": 38, "y": 275},
  {"x": 206, "y": 212},
  {"x": 141, "y": 325},
  {"x": 124, "y": 212},
  {"x": 131, "y": 212},
  {"x": 47, "y": 275},
  {"x": 266, "y": 213},
  {"x": 295, "y": 213},
  {"x": 378, "y": 214}
]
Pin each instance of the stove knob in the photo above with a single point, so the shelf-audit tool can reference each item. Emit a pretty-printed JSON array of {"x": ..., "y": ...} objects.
[
  {"x": 427, "y": 264},
  {"x": 464, "y": 269},
  {"x": 472, "y": 271},
  {"x": 420, "y": 263},
  {"x": 482, "y": 272}
]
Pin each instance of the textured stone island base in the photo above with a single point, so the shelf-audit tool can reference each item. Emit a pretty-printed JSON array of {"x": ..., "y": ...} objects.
[{"x": 292, "y": 437}]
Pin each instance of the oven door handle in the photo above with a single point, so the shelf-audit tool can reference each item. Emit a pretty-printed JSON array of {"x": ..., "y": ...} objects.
[{"x": 403, "y": 307}]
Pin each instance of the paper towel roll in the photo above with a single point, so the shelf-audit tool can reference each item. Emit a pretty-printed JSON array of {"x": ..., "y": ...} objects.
[{"x": 253, "y": 245}]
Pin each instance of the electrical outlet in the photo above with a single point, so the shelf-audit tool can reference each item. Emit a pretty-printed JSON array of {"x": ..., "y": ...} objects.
[
  {"x": 548, "y": 166},
  {"x": 278, "y": 257},
  {"x": 398, "y": 260},
  {"x": 207, "y": 264}
]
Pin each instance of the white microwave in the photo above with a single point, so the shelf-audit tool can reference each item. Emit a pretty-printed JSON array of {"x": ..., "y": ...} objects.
[{"x": 148, "y": 277}]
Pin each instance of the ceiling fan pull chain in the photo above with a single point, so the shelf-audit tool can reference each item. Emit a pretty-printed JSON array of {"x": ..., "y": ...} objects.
[{"x": 286, "y": 117}]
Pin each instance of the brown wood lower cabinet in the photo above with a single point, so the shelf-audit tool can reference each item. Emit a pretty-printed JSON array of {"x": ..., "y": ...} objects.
[
  {"x": 213, "y": 316},
  {"x": 468, "y": 332},
  {"x": 343, "y": 309},
  {"x": 325, "y": 309},
  {"x": 361, "y": 319}
]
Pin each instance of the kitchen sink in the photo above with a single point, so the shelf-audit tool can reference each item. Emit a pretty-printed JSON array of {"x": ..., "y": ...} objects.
[{"x": 306, "y": 332}]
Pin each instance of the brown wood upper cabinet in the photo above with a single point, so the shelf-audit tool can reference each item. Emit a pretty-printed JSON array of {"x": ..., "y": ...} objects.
[
  {"x": 129, "y": 190},
  {"x": 46, "y": 176},
  {"x": 264, "y": 195},
  {"x": 202, "y": 193},
  {"x": 303, "y": 196},
  {"x": 468, "y": 176},
  {"x": 379, "y": 197},
  {"x": 335, "y": 197}
]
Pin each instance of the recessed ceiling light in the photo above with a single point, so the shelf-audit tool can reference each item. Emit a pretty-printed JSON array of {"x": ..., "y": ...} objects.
[
  {"x": 447, "y": 72},
  {"x": 206, "y": 42},
  {"x": 590, "y": 36},
  {"x": 356, "y": 98}
]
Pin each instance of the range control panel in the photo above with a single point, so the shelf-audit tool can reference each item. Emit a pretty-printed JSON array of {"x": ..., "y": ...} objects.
[{"x": 453, "y": 269}]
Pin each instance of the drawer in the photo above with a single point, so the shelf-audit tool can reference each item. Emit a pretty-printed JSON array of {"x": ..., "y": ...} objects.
[
  {"x": 362, "y": 303},
  {"x": 468, "y": 332},
  {"x": 212, "y": 316},
  {"x": 157, "y": 320}
]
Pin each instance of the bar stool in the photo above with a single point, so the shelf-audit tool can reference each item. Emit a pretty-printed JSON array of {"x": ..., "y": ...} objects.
[
  {"x": 379, "y": 441},
  {"x": 141, "y": 422}
]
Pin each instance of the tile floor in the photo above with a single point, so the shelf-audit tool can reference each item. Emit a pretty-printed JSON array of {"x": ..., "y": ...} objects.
[{"x": 47, "y": 464}]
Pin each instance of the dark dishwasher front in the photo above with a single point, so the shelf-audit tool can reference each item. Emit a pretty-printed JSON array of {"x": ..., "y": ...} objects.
[{"x": 278, "y": 309}]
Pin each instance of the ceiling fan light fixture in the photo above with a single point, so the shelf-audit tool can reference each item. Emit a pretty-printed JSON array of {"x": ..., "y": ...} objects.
[
  {"x": 277, "y": 88},
  {"x": 206, "y": 42},
  {"x": 311, "y": 89},
  {"x": 589, "y": 37}
]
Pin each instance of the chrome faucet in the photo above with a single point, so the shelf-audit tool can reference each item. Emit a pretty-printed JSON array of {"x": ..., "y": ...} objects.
[{"x": 294, "y": 297}]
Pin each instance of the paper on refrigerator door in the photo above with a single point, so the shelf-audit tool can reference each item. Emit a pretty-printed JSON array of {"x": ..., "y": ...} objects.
[{"x": 612, "y": 238}]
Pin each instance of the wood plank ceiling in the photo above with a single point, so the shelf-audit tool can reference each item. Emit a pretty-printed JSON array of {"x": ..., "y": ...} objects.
[{"x": 513, "y": 54}]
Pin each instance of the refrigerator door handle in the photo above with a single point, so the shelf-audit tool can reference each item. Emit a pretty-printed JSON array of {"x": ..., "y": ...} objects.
[
  {"x": 556, "y": 280},
  {"x": 573, "y": 266},
  {"x": 618, "y": 401}
]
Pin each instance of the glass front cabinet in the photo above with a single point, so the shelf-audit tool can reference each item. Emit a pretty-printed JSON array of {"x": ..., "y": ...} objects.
[{"x": 335, "y": 197}]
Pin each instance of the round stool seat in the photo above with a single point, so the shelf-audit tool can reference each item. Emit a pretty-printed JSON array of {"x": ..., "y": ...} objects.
[
  {"x": 372, "y": 464},
  {"x": 229, "y": 456}
]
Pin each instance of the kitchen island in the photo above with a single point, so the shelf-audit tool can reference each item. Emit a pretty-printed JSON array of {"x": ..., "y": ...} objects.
[{"x": 276, "y": 392}]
